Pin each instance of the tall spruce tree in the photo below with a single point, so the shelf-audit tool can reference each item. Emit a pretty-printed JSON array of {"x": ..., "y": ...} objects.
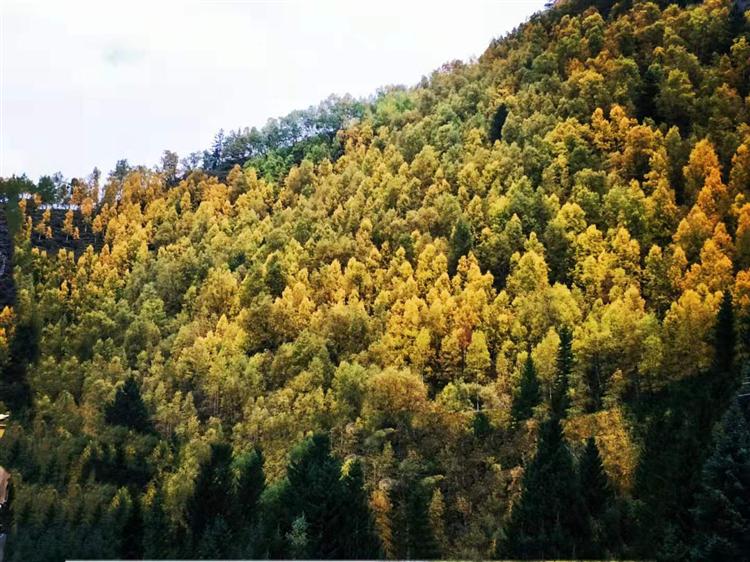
[
  {"x": 722, "y": 507},
  {"x": 678, "y": 440},
  {"x": 335, "y": 509},
  {"x": 560, "y": 401},
  {"x": 461, "y": 243},
  {"x": 128, "y": 409},
  {"x": 250, "y": 481},
  {"x": 249, "y": 485},
  {"x": 157, "y": 535},
  {"x": 549, "y": 520},
  {"x": 420, "y": 540},
  {"x": 359, "y": 539},
  {"x": 216, "y": 541},
  {"x": 213, "y": 492},
  {"x": 314, "y": 491},
  {"x": 595, "y": 487},
  {"x": 132, "y": 533},
  {"x": 495, "y": 132},
  {"x": 725, "y": 342},
  {"x": 598, "y": 501},
  {"x": 528, "y": 395}
]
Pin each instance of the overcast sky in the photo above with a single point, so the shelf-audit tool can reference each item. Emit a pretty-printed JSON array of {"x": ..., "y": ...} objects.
[{"x": 83, "y": 84}]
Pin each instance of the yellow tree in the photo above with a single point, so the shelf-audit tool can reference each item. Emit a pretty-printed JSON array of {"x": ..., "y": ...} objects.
[
  {"x": 693, "y": 231},
  {"x": 715, "y": 270},
  {"x": 477, "y": 357},
  {"x": 68, "y": 224},
  {"x": 703, "y": 160},
  {"x": 687, "y": 328}
]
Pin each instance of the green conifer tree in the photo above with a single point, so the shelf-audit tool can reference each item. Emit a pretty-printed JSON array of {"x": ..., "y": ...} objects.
[
  {"x": 560, "y": 400},
  {"x": 461, "y": 243},
  {"x": 420, "y": 539},
  {"x": 212, "y": 494},
  {"x": 599, "y": 502},
  {"x": 157, "y": 535},
  {"x": 249, "y": 485},
  {"x": 548, "y": 521},
  {"x": 216, "y": 541},
  {"x": 528, "y": 395},
  {"x": 722, "y": 506},
  {"x": 359, "y": 540},
  {"x": 128, "y": 409},
  {"x": 725, "y": 340},
  {"x": 314, "y": 489}
]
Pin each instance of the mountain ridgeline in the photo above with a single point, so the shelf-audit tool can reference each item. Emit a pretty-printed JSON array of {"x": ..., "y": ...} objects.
[{"x": 504, "y": 313}]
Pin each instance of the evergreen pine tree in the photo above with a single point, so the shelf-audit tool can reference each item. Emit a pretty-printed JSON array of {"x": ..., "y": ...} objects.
[
  {"x": 722, "y": 507},
  {"x": 128, "y": 409},
  {"x": 598, "y": 499},
  {"x": 595, "y": 488},
  {"x": 461, "y": 243},
  {"x": 420, "y": 540},
  {"x": 216, "y": 540},
  {"x": 212, "y": 493},
  {"x": 314, "y": 489},
  {"x": 498, "y": 121},
  {"x": 528, "y": 395},
  {"x": 725, "y": 340},
  {"x": 132, "y": 533},
  {"x": 548, "y": 521},
  {"x": 297, "y": 539},
  {"x": 359, "y": 540},
  {"x": 249, "y": 485},
  {"x": 604, "y": 7},
  {"x": 560, "y": 400},
  {"x": 737, "y": 20},
  {"x": 480, "y": 425},
  {"x": 157, "y": 535}
]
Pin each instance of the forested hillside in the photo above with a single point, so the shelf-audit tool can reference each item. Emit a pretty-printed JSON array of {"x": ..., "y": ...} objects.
[{"x": 504, "y": 313}]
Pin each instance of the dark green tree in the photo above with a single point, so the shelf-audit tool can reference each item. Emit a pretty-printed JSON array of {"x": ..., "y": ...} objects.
[
  {"x": 599, "y": 503},
  {"x": 157, "y": 535},
  {"x": 249, "y": 485},
  {"x": 359, "y": 539},
  {"x": 722, "y": 507},
  {"x": 132, "y": 533},
  {"x": 314, "y": 489},
  {"x": 420, "y": 540},
  {"x": 275, "y": 280},
  {"x": 595, "y": 487},
  {"x": 216, "y": 540},
  {"x": 480, "y": 425},
  {"x": 725, "y": 339},
  {"x": 560, "y": 400},
  {"x": 498, "y": 121},
  {"x": 737, "y": 21},
  {"x": 528, "y": 395},
  {"x": 213, "y": 492},
  {"x": 10, "y": 190},
  {"x": 549, "y": 520},
  {"x": 128, "y": 409},
  {"x": 461, "y": 243}
]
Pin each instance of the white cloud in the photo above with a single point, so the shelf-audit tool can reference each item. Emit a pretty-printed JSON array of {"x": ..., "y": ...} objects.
[{"x": 87, "y": 83}]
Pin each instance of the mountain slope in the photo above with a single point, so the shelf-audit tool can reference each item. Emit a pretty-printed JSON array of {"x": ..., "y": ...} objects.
[{"x": 402, "y": 284}]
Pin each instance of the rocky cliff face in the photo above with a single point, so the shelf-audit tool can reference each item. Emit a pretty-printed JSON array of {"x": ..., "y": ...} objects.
[{"x": 7, "y": 287}]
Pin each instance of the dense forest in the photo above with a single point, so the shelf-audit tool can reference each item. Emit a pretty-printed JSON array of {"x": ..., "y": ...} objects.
[{"x": 504, "y": 313}]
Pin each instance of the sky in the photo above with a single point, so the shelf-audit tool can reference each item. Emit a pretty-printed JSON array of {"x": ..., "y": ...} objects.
[{"x": 84, "y": 84}]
